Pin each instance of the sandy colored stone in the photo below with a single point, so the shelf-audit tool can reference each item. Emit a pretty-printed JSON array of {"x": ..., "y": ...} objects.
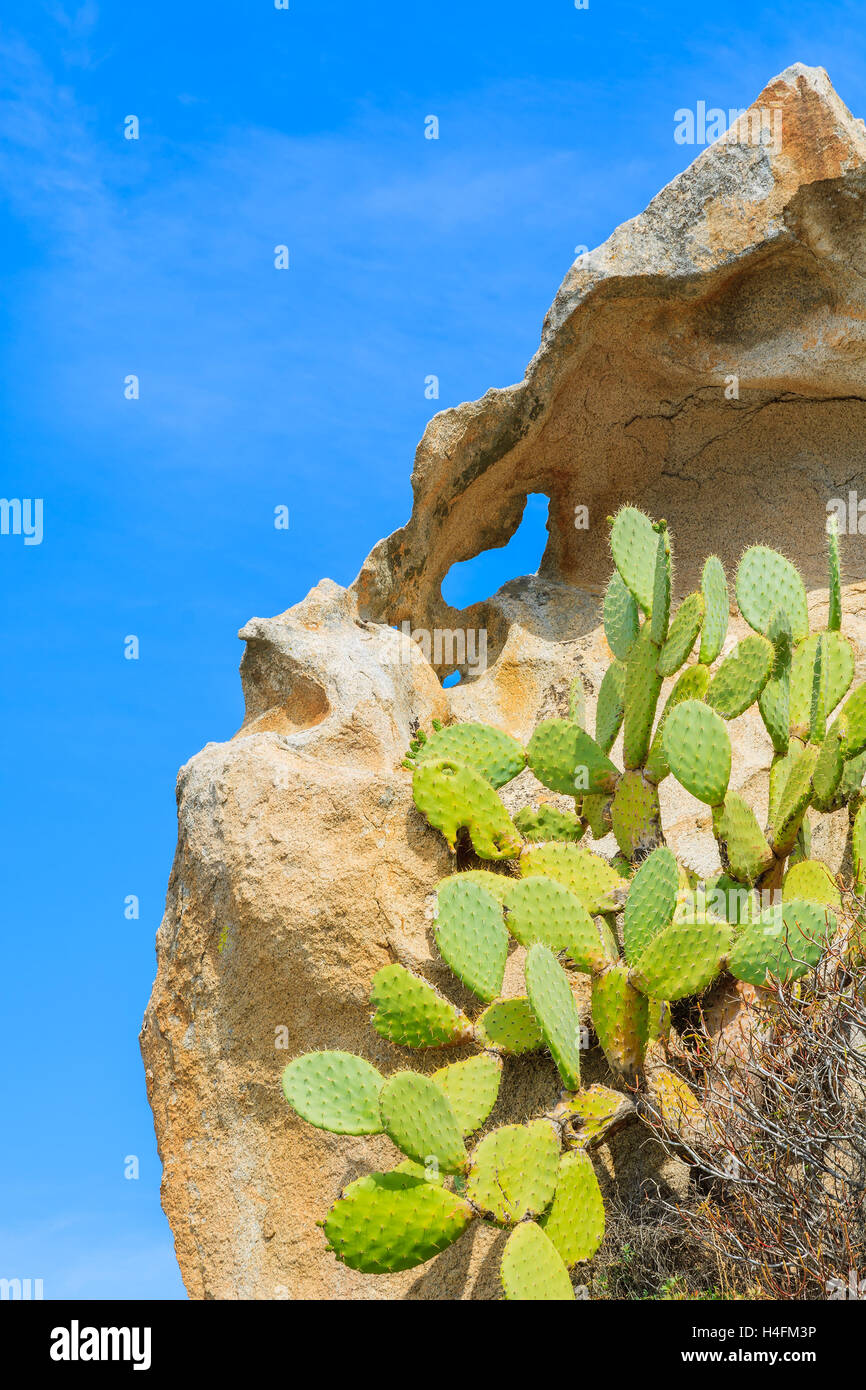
[{"x": 302, "y": 866}]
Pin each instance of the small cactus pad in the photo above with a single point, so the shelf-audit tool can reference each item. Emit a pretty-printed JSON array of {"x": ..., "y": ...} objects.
[
  {"x": 418, "y": 1118},
  {"x": 853, "y": 773},
  {"x": 774, "y": 701},
  {"x": 587, "y": 875},
  {"x": 742, "y": 676},
  {"x": 410, "y": 1012},
  {"x": 651, "y": 901},
  {"x": 621, "y": 617},
  {"x": 642, "y": 687},
  {"x": 577, "y": 702},
  {"x": 513, "y": 1171},
  {"x": 794, "y": 799},
  {"x": 564, "y": 758},
  {"x": 471, "y": 1088},
  {"x": 554, "y": 1006},
  {"x": 765, "y": 582},
  {"x": 698, "y": 751},
  {"x": 661, "y": 586},
  {"x": 785, "y": 941},
  {"x": 540, "y": 909},
  {"x": 684, "y": 958},
  {"x": 834, "y": 616},
  {"x": 611, "y": 706},
  {"x": 335, "y": 1091},
  {"x": 827, "y": 777},
  {"x": 596, "y": 812},
  {"x": 691, "y": 684},
  {"x": 677, "y": 1105},
  {"x": 636, "y": 815},
  {"x": 854, "y": 711},
  {"x": 634, "y": 543},
  {"x": 744, "y": 849},
  {"x": 714, "y": 587},
  {"x": 471, "y": 935},
  {"x": 811, "y": 882},
  {"x": 495, "y": 756},
  {"x": 837, "y": 672},
  {"x": 539, "y": 824},
  {"x": 509, "y": 1026},
  {"x": 453, "y": 797},
  {"x": 620, "y": 1018},
  {"x": 681, "y": 638},
  {"x": 858, "y": 849},
  {"x": 575, "y": 1221},
  {"x": 386, "y": 1222},
  {"x": 532, "y": 1270},
  {"x": 590, "y": 1114}
]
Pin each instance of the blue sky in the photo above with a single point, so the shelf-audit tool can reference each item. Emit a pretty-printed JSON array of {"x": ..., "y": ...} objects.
[{"x": 258, "y": 388}]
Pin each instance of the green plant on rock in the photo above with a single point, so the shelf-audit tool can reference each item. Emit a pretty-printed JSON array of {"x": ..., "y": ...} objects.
[{"x": 642, "y": 927}]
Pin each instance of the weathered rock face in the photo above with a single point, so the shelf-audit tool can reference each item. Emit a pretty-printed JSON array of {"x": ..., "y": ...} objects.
[{"x": 301, "y": 866}]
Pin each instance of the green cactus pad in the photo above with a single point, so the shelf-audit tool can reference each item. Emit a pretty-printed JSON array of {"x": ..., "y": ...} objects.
[
  {"x": 684, "y": 958},
  {"x": 611, "y": 706},
  {"x": 386, "y": 1222},
  {"x": 453, "y": 797},
  {"x": 766, "y": 581},
  {"x": 575, "y": 1222},
  {"x": 412, "y": 1013},
  {"x": 335, "y": 1091},
  {"x": 540, "y": 909},
  {"x": 513, "y": 1171},
  {"x": 471, "y": 1089},
  {"x": 539, "y": 824},
  {"x": 532, "y": 1270},
  {"x": 853, "y": 773},
  {"x": 471, "y": 935},
  {"x": 834, "y": 615},
  {"x": 691, "y": 684},
  {"x": 596, "y": 812},
  {"x": 727, "y": 897},
  {"x": 588, "y": 1115},
  {"x": 495, "y": 756},
  {"x": 714, "y": 587},
  {"x": 621, "y": 1020},
  {"x": 698, "y": 751},
  {"x": 742, "y": 676},
  {"x": 577, "y": 702},
  {"x": 553, "y": 1004},
  {"x": 681, "y": 638},
  {"x": 811, "y": 881},
  {"x": 858, "y": 849},
  {"x": 418, "y": 1118},
  {"x": 497, "y": 884},
  {"x": 854, "y": 711},
  {"x": 837, "y": 661},
  {"x": 621, "y": 617},
  {"x": 661, "y": 611},
  {"x": 744, "y": 849},
  {"x": 794, "y": 799},
  {"x": 651, "y": 901},
  {"x": 636, "y": 815},
  {"x": 564, "y": 758},
  {"x": 642, "y": 687},
  {"x": 591, "y": 879},
  {"x": 774, "y": 701},
  {"x": 509, "y": 1026},
  {"x": 785, "y": 941},
  {"x": 827, "y": 777},
  {"x": 634, "y": 543}
]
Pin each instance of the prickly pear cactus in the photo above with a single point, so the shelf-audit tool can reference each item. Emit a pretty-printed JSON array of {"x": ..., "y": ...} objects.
[{"x": 641, "y": 927}]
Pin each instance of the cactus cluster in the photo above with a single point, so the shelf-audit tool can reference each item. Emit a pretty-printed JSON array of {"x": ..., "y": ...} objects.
[{"x": 641, "y": 926}]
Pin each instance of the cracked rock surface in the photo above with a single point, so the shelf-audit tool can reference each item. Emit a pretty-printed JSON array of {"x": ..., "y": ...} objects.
[{"x": 708, "y": 362}]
